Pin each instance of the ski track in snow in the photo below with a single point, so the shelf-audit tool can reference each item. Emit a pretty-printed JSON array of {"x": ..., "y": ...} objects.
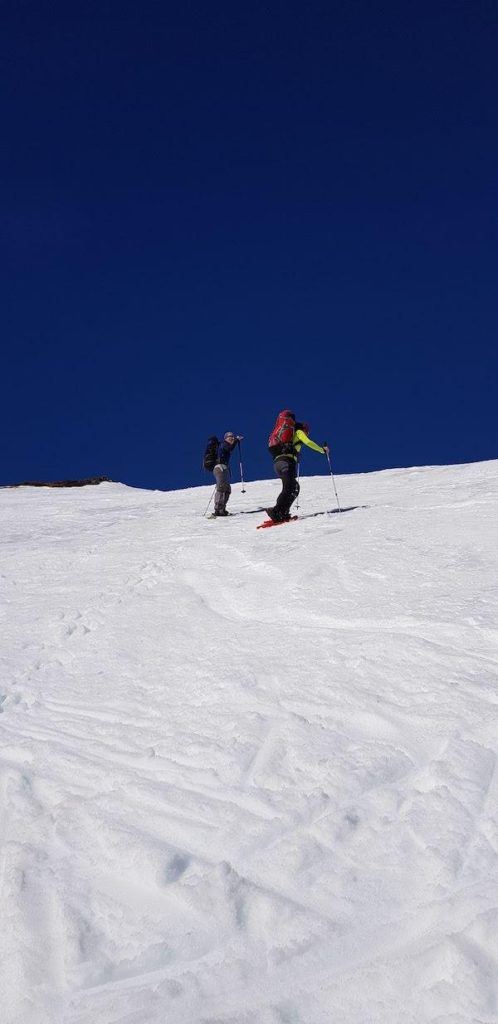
[{"x": 250, "y": 777}]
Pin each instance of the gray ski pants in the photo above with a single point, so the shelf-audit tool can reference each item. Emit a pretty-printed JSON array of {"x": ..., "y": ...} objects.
[{"x": 223, "y": 489}]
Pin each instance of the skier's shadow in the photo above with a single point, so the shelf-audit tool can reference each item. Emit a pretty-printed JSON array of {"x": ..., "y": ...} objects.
[{"x": 333, "y": 511}]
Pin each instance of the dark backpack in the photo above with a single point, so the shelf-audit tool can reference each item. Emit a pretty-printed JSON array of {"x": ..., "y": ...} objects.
[
  {"x": 282, "y": 435},
  {"x": 211, "y": 453}
]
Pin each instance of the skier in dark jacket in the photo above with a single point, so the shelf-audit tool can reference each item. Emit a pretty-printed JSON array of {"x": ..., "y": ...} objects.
[
  {"x": 222, "y": 472},
  {"x": 285, "y": 465}
]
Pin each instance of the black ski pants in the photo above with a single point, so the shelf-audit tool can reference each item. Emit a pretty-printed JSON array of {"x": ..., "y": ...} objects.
[{"x": 286, "y": 469}]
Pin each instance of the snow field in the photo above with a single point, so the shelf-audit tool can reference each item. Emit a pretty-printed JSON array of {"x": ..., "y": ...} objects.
[{"x": 249, "y": 777}]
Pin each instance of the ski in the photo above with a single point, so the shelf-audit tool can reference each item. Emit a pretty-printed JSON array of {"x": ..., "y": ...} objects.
[
  {"x": 269, "y": 522},
  {"x": 243, "y": 512},
  {"x": 248, "y": 511},
  {"x": 332, "y": 511}
]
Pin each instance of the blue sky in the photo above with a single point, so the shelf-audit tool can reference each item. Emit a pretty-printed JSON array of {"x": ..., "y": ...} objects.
[{"x": 214, "y": 211}]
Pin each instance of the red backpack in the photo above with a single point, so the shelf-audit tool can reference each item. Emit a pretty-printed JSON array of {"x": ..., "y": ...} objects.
[{"x": 282, "y": 435}]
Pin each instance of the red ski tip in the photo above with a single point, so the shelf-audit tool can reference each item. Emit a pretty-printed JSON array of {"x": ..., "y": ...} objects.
[{"x": 269, "y": 522}]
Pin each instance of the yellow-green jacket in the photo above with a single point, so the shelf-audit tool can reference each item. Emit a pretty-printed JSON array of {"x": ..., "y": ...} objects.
[{"x": 301, "y": 438}]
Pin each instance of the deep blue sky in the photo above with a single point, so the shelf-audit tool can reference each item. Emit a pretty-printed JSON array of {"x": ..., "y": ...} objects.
[{"x": 215, "y": 210}]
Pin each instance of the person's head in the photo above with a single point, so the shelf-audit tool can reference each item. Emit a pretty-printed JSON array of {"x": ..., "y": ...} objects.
[{"x": 230, "y": 437}]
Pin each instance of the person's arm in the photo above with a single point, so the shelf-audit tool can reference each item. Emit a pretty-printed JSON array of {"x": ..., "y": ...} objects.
[{"x": 304, "y": 439}]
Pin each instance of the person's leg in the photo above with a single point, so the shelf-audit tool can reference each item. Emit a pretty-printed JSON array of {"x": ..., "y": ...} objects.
[
  {"x": 223, "y": 489},
  {"x": 286, "y": 470},
  {"x": 295, "y": 490},
  {"x": 227, "y": 489},
  {"x": 289, "y": 484}
]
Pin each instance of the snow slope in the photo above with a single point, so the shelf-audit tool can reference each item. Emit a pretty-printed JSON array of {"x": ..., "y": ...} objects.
[{"x": 249, "y": 777}]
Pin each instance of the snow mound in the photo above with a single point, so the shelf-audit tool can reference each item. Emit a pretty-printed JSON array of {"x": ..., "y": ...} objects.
[{"x": 249, "y": 776}]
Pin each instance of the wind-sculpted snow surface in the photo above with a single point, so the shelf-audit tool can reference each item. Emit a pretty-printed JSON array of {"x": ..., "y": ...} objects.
[{"x": 249, "y": 776}]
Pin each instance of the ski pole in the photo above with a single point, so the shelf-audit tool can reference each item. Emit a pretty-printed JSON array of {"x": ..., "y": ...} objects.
[
  {"x": 333, "y": 481},
  {"x": 297, "y": 478},
  {"x": 209, "y": 502},
  {"x": 241, "y": 469}
]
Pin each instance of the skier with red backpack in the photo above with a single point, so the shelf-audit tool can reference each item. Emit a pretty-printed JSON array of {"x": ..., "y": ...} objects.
[{"x": 284, "y": 445}]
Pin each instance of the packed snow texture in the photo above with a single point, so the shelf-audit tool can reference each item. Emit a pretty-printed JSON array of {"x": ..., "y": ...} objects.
[{"x": 249, "y": 776}]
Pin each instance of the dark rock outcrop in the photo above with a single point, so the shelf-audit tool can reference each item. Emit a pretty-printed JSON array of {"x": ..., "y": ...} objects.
[{"x": 63, "y": 483}]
